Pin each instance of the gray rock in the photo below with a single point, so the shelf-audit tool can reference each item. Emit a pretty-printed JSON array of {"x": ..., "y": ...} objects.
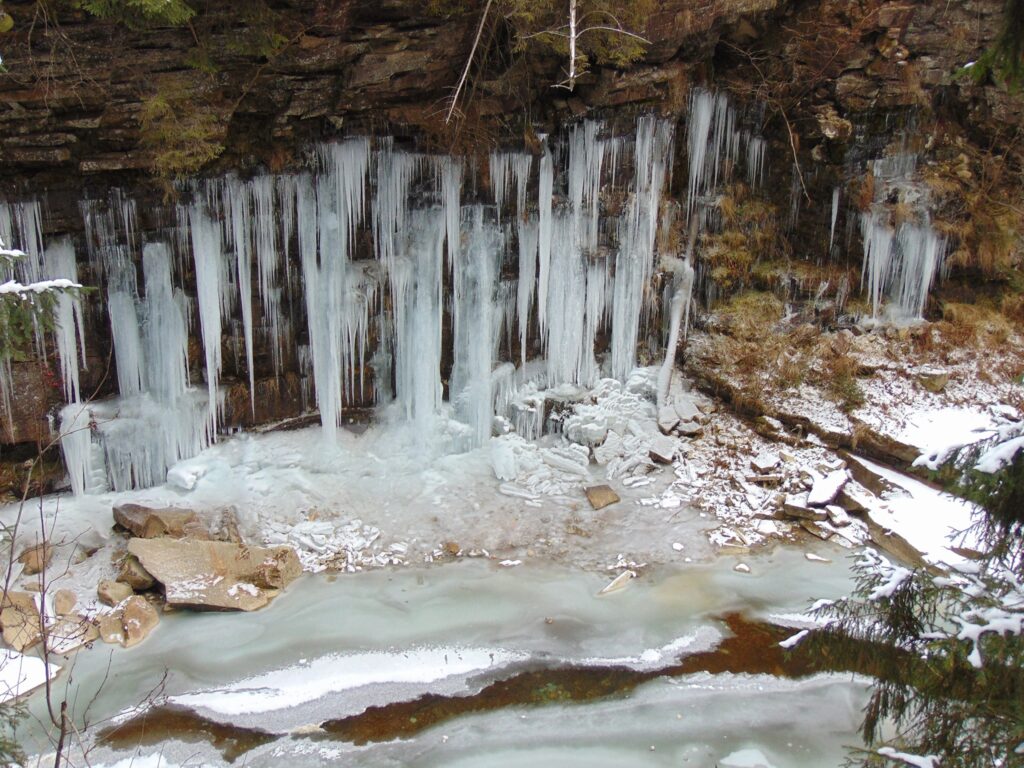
[
  {"x": 663, "y": 449},
  {"x": 667, "y": 419},
  {"x": 764, "y": 462}
]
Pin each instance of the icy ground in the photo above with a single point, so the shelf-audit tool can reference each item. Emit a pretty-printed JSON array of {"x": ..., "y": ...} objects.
[
  {"x": 330, "y": 648},
  {"x": 522, "y": 546}
]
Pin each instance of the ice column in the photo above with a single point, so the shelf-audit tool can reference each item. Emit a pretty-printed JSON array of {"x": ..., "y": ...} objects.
[
  {"x": 211, "y": 295},
  {"x": 418, "y": 318},
  {"x": 238, "y": 224},
  {"x": 474, "y": 283},
  {"x": 327, "y": 217},
  {"x": 638, "y": 227},
  {"x": 59, "y": 262}
]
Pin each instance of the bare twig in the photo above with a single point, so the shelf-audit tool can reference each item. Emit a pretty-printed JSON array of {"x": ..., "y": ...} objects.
[{"x": 469, "y": 62}]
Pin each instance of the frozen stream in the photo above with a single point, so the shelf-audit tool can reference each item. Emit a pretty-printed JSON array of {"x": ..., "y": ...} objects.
[{"x": 331, "y": 647}]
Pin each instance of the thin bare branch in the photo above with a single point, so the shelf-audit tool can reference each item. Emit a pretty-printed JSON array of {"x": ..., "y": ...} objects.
[{"x": 469, "y": 63}]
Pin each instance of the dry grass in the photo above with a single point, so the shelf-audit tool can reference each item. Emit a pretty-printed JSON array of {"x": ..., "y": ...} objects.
[
  {"x": 974, "y": 324},
  {"x": 750, "y": 315}
]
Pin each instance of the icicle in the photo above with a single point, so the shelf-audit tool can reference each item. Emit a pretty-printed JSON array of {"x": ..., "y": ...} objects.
[
  {"x": 547, "y": 181},
  {"x": 921, "y": 255},
  {"x": 679, "y": 314},
  {"x": 418, "y": 319},
  {"x": 59, "y": 261},
  {"x": 128, "y": 351},
  {"x": 238, "y": 225},
  {"x": 878, "y": 241},
  {"x": 76, "y": 445},
  {"x": 835, "y": 216},
  {"x": 451, "y": 197},
  {"x": 166, "y": 332},
  {"x": 500, "y": 165},
  {"x": 638, "y": 227},
  {"x": 755, "y": 161},
  {"x": 474, "y": 285},
  {"x": 527, "y": 279},
  {"x": 395, "y": 174},
  {"x": 262, "y": 189},
  {"x": 211, "y": 277},
  {"x": 327, "y": 217}
]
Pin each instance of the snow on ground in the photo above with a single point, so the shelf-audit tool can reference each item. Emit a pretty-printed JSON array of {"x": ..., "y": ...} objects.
[
  {"x": 20, "y": 674},
  {"x": 932, "y": 521}
]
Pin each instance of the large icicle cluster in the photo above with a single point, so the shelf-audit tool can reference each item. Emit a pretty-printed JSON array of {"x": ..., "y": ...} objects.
[
  {"x": 901, "y": 262},
  {"x": 415, "y": 283},
  {"x": 539, "y": 260}
]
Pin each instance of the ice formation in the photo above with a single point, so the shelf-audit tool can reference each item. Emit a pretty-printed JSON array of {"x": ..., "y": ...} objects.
[
  {"x": 456, "y": 302},
  {"x": 900, "y": 262}
]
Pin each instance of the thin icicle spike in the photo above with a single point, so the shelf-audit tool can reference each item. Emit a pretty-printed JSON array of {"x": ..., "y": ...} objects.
[
  {"x": 755, "y": 161},
  {"x": 396, "y": 172},
  {"x": 835, "y": 217}
]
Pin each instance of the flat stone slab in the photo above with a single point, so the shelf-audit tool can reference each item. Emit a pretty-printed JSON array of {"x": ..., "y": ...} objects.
[
  {"x": 216, "y": 575},
  {"x": 826, "y": 488},
  {"x": 765, "y": 462},
  {"x": 601, "y": 496},
  {"x": 149, "y": 523},
  {"x": 796, "y": 506}
]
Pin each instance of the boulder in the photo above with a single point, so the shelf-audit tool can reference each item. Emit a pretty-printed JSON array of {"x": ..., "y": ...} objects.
[
  {"x": 601, "y": 496},
  {"x": 816, "y": 529},
  {"x": 932, "y": 379},
  {"x": 663, "y": 449},
  {"x": 134, "y": 575},
  {"x": 854, "y": 497},
  {"x": 138, "y": 619},
  {"x": 64, "y": 601},
  {"x": 667, "y": 419},
  {"x": 216, "y": 575},
  {"x": 689, "y": 428},
  {"x": 837, "y": 516},
  {"x": 113, "y": 592},
  {"x": 111, "y": 629},
  {"x": 20, "y": 620},
  {"x": 34, "y": 559},
  {"x": 149, "y": 523},
  {"x": 686, "y": 408}
]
